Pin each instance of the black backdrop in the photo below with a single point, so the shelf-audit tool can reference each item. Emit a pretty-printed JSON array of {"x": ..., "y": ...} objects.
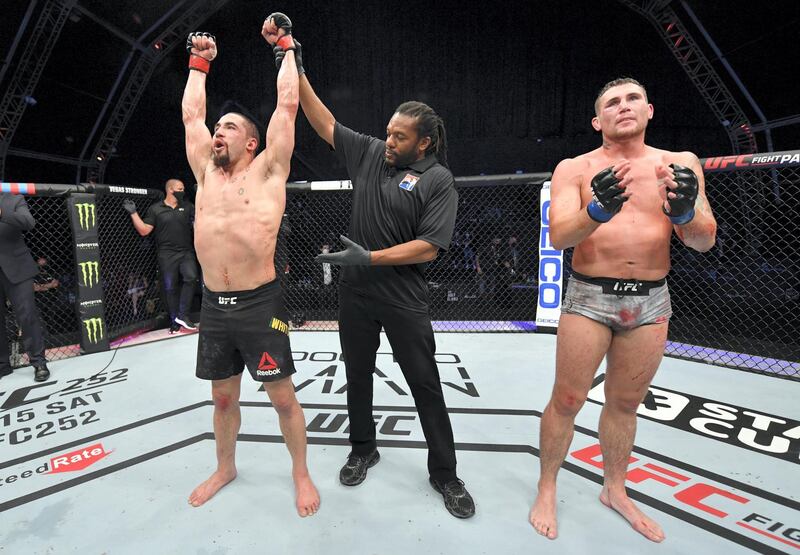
[
  {"x": 515, "y": 86},
  {"x": 514, "y": 80}
]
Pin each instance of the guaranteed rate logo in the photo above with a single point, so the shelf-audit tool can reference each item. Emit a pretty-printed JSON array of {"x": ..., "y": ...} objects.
[
  {"x": 78, "y": 460},
  {"x": 86, "y": 215},
  {"x": 74, "y": 461},
  {"x": 90, "y": 272},
  {"x": 94, "y": 329}
]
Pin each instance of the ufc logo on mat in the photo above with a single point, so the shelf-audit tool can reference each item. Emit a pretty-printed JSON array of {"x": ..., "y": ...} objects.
[{"x": 227, "y": 300}]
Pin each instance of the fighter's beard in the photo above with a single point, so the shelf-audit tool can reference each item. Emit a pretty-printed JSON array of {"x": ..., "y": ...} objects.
[{"x": 221, "y": 160}]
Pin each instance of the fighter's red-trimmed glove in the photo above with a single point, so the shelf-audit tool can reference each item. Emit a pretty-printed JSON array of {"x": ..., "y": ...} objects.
[
  {"x": 283, "y": 23},
  {"x": 202, "y": 49}
]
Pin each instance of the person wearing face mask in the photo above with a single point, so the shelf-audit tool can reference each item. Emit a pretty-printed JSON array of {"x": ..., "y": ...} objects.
[{"x": 173, "y": 220}]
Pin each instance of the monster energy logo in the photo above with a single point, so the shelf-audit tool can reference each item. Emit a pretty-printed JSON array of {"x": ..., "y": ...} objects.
[
  {"x": 86, "y": 214},
  {"x": 90, "y": 272},
  {"x": 94, "y": 329}
]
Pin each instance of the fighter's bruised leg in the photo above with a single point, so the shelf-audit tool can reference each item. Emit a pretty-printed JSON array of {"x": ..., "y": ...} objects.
[
  {"x": 293, "y": 427},
  {"x": 580, "y": 348},
  {"x": 227, "y": 420},
  {"x": 633, "y": 358}
]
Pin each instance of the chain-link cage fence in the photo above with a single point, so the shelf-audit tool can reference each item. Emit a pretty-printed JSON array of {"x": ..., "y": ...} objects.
[
  {"x": 128, "y": 267},
  {"x": 738, "y": 304},
  {"x": 486, "y": 281},
  {"x": 735, "y": 305},
  {"x": 131, "y": 288},
  {"x": 51, "y": 245}
]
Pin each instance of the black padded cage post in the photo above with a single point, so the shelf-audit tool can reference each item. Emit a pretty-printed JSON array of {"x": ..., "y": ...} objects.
[{"x": 127, "y": 267}]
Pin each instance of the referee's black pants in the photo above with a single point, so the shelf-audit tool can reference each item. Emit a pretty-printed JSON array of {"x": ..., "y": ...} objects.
[
  {"x": 411, "y": 337},
  {"x": 24, "y": 305}
]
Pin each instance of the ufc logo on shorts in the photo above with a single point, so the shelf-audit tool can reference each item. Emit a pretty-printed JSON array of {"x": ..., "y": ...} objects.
[
  {"x": 227, "y": 300},
  {"x": 622, "y": 286}
]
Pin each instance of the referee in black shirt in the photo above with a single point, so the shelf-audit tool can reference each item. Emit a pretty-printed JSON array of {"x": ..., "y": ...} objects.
[
  {"x": 403, "y": 211},
  {"x": 172, "y": 221}
]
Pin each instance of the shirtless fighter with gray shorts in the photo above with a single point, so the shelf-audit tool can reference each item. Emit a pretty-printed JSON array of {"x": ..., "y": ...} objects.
[{"x": 618, "y": 206}]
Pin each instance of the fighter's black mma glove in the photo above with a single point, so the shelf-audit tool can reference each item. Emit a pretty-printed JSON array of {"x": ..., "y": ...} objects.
[
  {"x": 282, "y": 21},
  {"x": 681, "y": 208},
  {"x": 607, "y": 196}
]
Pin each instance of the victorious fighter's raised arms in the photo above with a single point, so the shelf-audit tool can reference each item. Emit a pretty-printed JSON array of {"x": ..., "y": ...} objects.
[{"x": 240, "y": 201}]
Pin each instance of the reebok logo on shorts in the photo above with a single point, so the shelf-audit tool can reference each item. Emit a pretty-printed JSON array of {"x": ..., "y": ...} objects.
[{"x": 267, "y": 366}]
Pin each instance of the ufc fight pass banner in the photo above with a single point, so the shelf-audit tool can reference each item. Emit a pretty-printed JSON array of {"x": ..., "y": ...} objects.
[{"x": 83, "y": 218}]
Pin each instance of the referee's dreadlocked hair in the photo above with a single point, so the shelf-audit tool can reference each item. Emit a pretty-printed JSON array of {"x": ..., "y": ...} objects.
[{"x": 429, "y": 124}]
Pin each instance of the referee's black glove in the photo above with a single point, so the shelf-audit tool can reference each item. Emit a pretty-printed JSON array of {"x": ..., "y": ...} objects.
[{"x": 353, "y": 255}]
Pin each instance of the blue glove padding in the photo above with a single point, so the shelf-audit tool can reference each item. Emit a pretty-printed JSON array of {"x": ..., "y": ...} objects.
[
  {"x": 608, "y": 199},
  {"x": 681, "y": 208}
]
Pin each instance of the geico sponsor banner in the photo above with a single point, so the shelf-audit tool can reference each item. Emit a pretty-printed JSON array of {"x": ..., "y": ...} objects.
[
  {"x": 768, "y": 434},
  {"x": 759, "y": 160},
  {"x": 89, "y": 305},
  {"x": 548, "y": 310}
]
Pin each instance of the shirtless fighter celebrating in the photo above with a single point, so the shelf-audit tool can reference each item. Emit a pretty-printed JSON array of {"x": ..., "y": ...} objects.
[
  {"x": 618, "y": 206},
  {"x": 240, "y": 201}
]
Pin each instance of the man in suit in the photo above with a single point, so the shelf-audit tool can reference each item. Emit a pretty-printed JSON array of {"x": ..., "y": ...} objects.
[{"x": 17, "y": 273}]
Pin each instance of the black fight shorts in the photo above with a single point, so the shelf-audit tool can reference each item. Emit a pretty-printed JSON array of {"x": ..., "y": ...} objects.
[{"x": 239, "y": 328}]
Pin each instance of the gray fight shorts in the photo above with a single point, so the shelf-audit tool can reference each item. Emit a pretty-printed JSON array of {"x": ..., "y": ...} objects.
[{"x": 620, "y": 304}]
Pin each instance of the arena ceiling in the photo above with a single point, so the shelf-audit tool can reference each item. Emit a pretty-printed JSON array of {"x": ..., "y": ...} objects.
[{"x": 90, "y": 64}]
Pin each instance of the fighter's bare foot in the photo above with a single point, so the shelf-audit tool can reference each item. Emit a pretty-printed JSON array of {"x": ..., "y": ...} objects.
[
  {"x": 630, "y": 512},
  {"x": 207, "y": 489},
  {"x": 543, "y": 514},
  {"x": 307, "y": 500}
]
